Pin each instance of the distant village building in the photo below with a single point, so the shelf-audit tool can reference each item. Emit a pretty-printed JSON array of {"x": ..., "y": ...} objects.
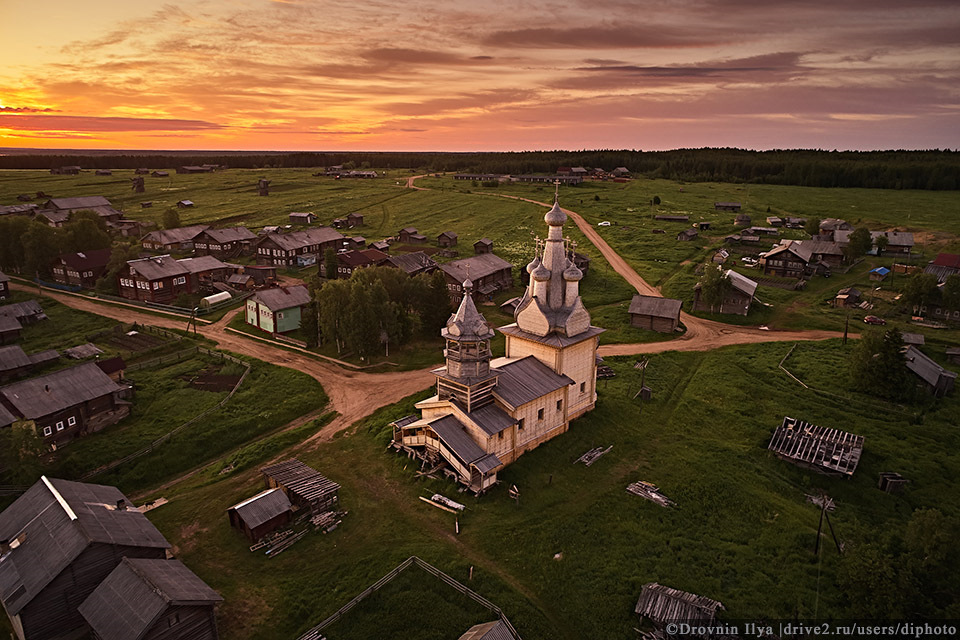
[
  {"x": 687, "y": 234},
  {"x": 196, "y": 169},
  {"x": 103, "y": 172},
  {"x": 936, "y": 380},
  {"x": 161, "y": 279},
  {"x": 898, "y": 242},
  {"x": 160, "y": 174},
  {"x": 27, "y": 312},
  {"x": 621, "y": 172},
  {"x": 355, "y": 220},
  {"x": 277, "y": 310},
  {"x": 262, "y": 514},
  {"x": 483, "y": 245},
  {"x": 60, "y": 541},
  {"x": 726, "y": 206},
  {"x": 185, "y": 204},
  {"x": 847, "y": 297},
  {"x": 830, "y": 226},
  {"x": 302, "y": 217},
  {"x": 81, "y": 269},
  {"x": 488, "y": 274},
  {"x": 173, "y": 240},
  {"x": 738, "y": 299},
  {"x": 16, "y": 363},
  {"x": 487, "y": 412},
  {"x": 655, "y": 313},
  {"x": 98, "y": 204},
  {"x": 413, "y": 263},
  {"x": 224, "y": 243},
  {"x": 350, "y": 261},
  {"x": 944, "y": 266},
  {"x": 785, "y": 261},
  {"x": 879, "y": 274},
  {"x": 299, "y": 248},
  {"x": 410, "y": 235},
  {"x": 65, "y": 171},
  {"x": 672, "y": 218},
  {"x": 447, "y": 239}
]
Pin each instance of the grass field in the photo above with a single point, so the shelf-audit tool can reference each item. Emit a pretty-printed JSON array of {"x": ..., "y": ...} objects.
[{"x": 742, "y": 532}]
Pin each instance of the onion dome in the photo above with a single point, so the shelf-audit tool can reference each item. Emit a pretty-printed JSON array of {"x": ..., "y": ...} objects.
[
  {"x": 533, "y": 264},
  {"x": 541, "y": 273},
  {"x": 467, "y": 323},
  {"x": 555, "y": 217},
  {"x": 572, "y": 273}
]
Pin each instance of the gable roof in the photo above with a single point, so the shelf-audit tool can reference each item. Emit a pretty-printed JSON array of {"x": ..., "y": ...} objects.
[
  {"x": 263, "y": 507},
  {"x": 491, "y": 418},
  {"x": 453, "y": 434},
  {"x": 4, "y": 277},
  {"x": 524, "y": 380},
  {"x": 55, "y": 521},
  {"x": 741, "y": 282},
  {"x": 655, "y": 306},
  {"x": 9, "y": 323},
  {"x": 22, "y": 309},
  {"x": 820, "y": 246},
  {"x": 83, "y": 202},
  {"x": 202, "y": 263},
  {"x": 924, "y": 367},
  {"x": 412, "y": 262},
  {"x": 475, "y": 267},
  {"x": 951, "y": 260},
  {"x": 87, "y": 260},
  {"x": 495, "y": 630},
  {"x": 157, "y": 267},
  {"x": 796, "y": 248},
  {"x": 43, "y": 395},
  {"x": 175, "y": 236},
  {"x": 303, "y": 238},
  {"x": 137, "y": 592},
  {"x": 282, "y": 298},
  {"x": 14, "y": 357},
  {"x": 448, "y": 234},
  {"x": 230, "y": 234}
]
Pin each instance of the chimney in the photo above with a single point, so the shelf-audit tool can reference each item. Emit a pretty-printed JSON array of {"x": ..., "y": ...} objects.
[
  {"x": 121, "y": 505},
  {"x": 46, "y": 388}
]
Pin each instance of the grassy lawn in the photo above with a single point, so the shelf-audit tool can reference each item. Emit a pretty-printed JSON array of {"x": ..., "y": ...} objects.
[
  {"x": 742, "y": 532},
  {"x": 65, "y": 328}
]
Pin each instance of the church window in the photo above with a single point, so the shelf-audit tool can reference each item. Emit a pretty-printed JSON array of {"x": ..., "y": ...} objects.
[
  {"x": 539, "y": 414},
  {"x": 520, "y": 424},
  {"x": 559, "y": 405},
  {"x": 583, "y": 387}
]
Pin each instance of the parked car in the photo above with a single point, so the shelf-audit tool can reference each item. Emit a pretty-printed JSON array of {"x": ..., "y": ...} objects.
[
  {"x": 874, "y": 320},
  {"x": 748, "y": 261},
  {"x": 605, "y": 223}
]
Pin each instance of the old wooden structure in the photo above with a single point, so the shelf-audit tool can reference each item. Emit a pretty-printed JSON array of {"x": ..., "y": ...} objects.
[
  {"x": 726, "y": 206},
  {"x": 27, "y": 312},
  {"x": 413, "y": 263},
  {"x": 263, "y": 187},
  {"x": 173, "y": 240},
  {"x": 81, "y": 269},
  {"x": 303, "y": 485},
  {"x": 302, "y": 217},
  {"x": 655, "y": 313},
  {"x": 826, "y": 450},
  {"x": 487, "y": 272},
  {"x": 230, "y": 242},
  {"x": 58, "y": 542},
  {"x": 738, "y": 298},
  {"x": 664, "y": 605},
  {"x": 354, "y": 220},
  {"x": 687, "y": 235},
  {"x": 410, "y": 235},
  {"x": 16, "y": 363},
  {"x": 299, "y": 248},
  {"x": 138, "y": 186},
  {"x": 262, "y": 514},
  {"x": 483, "y": 245},
  {"x": 447, "y": 239},
  {"x": 935, "y": 379},
  {"x": 10, "y": 329}
]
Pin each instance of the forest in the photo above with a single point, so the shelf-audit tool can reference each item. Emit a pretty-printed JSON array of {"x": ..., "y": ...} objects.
[{"x": 932, "y": 169}]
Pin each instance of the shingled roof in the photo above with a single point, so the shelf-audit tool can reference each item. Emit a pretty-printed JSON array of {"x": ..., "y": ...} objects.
[
  {"x": 133, "y": 597},
  {"x": 52, "y": 523},
  {"x": 524, "y": 380},
  {"x": 82, "y": 202},
  {"x": 305, "y": 238},
  {"x": 454, "y": 435},
  {"x": 87, "y": 260},
  {"x": 230, "y": 234},
  {"x": 655, "y": 306},
  {"x": 157, "y": 267},
  {"x": 59, "y": 390},
  {"x": 175, "y": 236}
]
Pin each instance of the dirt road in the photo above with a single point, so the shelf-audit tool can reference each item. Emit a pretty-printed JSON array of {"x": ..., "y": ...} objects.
[{"x": 353, "y": 394}]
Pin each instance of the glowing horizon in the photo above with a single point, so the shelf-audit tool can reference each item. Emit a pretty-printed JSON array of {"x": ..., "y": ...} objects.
[{"x": 299, "y": 75}]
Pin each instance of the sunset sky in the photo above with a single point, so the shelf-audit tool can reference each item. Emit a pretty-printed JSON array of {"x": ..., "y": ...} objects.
[{"x": 463, "y": 76}]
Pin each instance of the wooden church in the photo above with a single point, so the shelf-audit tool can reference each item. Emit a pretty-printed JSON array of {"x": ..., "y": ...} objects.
[{"x": 488, "y": 411}]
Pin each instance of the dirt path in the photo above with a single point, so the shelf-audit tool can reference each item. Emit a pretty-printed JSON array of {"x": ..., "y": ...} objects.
[{"x": 353, "y": 394}]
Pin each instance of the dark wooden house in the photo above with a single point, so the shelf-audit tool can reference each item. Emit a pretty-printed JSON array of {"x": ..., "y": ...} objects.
[
  {"x": 27, "y": 312},
  {"x": 10, "y": 329},
  {"x": 173, "y": 240},
  {"x": 355, "y": 220},
  {"x": 58, "y": 542},
  {"x": 786, "y": 260},
  {"x": 410, "y": 235},
  {"x": 350, "y": 261},
  {"x": 152, "y": 599},
  {"x": 159, "y": 279},
  {"x": 67, "y": 403},
  {"x": 655, "y": 313},
  {"x": 303, "y": 486},
  {"x": 195, "y": 169},
  {"x": 224, "y": 243},
  {"x": 65, "y": 171},
  {"x": 16, "y": 363},
  {"x": 935, "y": 379},
  {"x": 81, "y": 269},
  {"x": 299, "y": 248},
  {"x": 447, "y": 239},
  {"x": 302, "y": 217},
  {"x": 743, "y": 220},
  {"x": 483, "y": 245},
  {"x": 687, "y": 235},
  {"x": 726, "y": 206},
  {"x": 488, "y": 272},
  {"x": 262, "y": 514},
  {"x": 97, "y": 204},
  {"x": 160, "y": 174},
  {"x": 738, "y": 298}
]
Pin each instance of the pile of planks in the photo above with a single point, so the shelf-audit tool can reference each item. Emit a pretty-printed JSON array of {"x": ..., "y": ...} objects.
[
  {"x": 285, "y": 544},
  {"x": 605, "y": 371},
  {"x": 327, "y": 521},
  {"x": 271, "y": 539},
  {"x": 650, "y": 492},
  {"x": 591, "y": 456}
]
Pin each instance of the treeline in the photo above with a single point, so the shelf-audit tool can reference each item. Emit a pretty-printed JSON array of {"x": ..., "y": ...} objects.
[
  {"x": 31, "y": 247},
  {"x": 933, "y": 170}
]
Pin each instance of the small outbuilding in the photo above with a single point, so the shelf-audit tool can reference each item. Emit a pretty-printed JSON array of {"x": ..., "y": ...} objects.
[
  {"x": 847, "y": 297},
  {"x": 687, "y": 234},
  {"x": 664, "y": 605},
  {"x": 822, "y": 449},
  {"x": 303, "y": 486},
  {"x": 302, "y": 217},
  {"x": 726, "y": 206},
  {"x": 185, "y": 204},
  {"x": 879, "y": 274},
  {"x": 483, "y": 245},
  {"x": 937, "y": 380},
  {"x": 743, "y": 220},
  {"x": 410, "y": 235},
  {"x": 354, "y": 220},
  {"x": 447, "y": 239},
  {"x": 655, "y": 313},
  {"x": 262, "y": 514}
]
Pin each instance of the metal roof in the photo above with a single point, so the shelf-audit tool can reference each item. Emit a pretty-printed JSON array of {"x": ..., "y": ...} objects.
[
  {"x": 300, "y": 480},
  {"x": 83, "y": 202},
  {"x": 59, "y": 390},
  {"x": 829, "y": 449},
  {"x": 304, "y": 238},
  {"x": 655, "y": 306},
  {"x": 282, "y": 298},
  {"x": 157, "y": 267},
  {"x": 665, "y": 604},
  {"x": 453, "y": 434},
  {"x": 130, "y": 600},
  {"x": 741, "y": 282},
  {"x": 525, "y": 380},
  {"x": 55, "y": 521},
  {"x": 175, "y": 236},
  {"x": 84, "y": 260},
  {"x": 491, "y": 418},
  {"x": 230, "y": 234},
  {"x": 928, "y": 370},
  {"x": 202, "y": 263},
  {"x": 413, "y": 262},
  {"x": 263, "y": 507},
  {"x": 475, "y": 267}
]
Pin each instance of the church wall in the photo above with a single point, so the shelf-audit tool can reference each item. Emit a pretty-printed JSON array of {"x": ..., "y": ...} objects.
[
  {"x": 520, "y": 348},
  {"x": 536, "y": 431},
  {"x": 578, "y": 362}
]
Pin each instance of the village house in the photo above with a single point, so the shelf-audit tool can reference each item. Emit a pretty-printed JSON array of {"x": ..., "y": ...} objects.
[
  {"x": 879, "y": 274},
  {"x": 410, "y": 235},
  {"x": 58, "y": 542},
  {"x": 4, "y": 285},
  {"x": 81, "y": 269},
  {"x": 762, "y": 231},
  {"x": 672, "y": 218},
  {"x": 142, "y": 171},
  {"x": 655, "y": 313},
  {"x": 687, "y": 234},
  {"x": 66, "y": 171},
  {"x": 898, "y": 242},
  {"x": 159, "y": 279},
  {"x": 298, "y": 248},
  {"x": 488, "y": 273},
  {"x": 621, "y": 172},
  {"x": 98, "y": 204},
  {"x": 936, "y": 311},
  {"x": 562, "y": 179},
  {"x": 10, "y": 329},
  {"x": 447, "y": 239},
  {"x": 151, "y": 599},
  {"x": 206, "y": 270},
  {"x": 103, "y": 172},
  {"x": 737, "y": 300},
  {"x": 726, "y": 206},
  {"x": 847, "y": 297},
  {"x": 483, "y": 245},
  {"x": 184, "y": 204},
  {"x": 302, "y": 217},
  {"x": 350, "y": 261},
  {"x": 224, "y": 243},
  {"x": 160, "y": 174},
  {"x": 27, "y": 312},
  {"x": 825, "y": 253},
  {"x": 68, "y": 403},
  {"x": 380, "y": 245},
  {"x": 277, "y": 310},
  {"x": 354, "y": 220},
  {"x": 830, "y": 226},
  {"x": 354, "y": 242},
  {"x": 262, "y": 514},
  {"x": 16, "y": 363},
  {"x": 787, "y": 260},
  {"x": 944, "y": 266},
  {"x": 173, "y": 240},
  {"x": 196, "y": 169},
  {"x": 936, "y": 380},
  {"x": 487, "y": 412},
  {"x": 262, "y": 275},
  {"x": 413, "y": 263},
  {"x": 27, "y": 210}
]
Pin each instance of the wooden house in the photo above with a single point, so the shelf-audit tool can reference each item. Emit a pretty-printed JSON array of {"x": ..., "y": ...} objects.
[
  {"x": 847, "y": 297},
  {"x": 899, "y": 243},
  {"x": 66, "y": 171},
  {"x": 655, "y": 313},
  {"x": 380, "y": 245},
  {"x": 670, "y": 218},
  {"x": 67, "y": 403},
  {"x": 206, "y": 270},
  {"x": 726, "y": 206},
  {"x": 687, "y": 235},
  {"x": 173, "y": 240},
  {"x": 10, "y": 329},
  {"x": 16, "y": 363},
  {"x": 354, "y": 242},
  {"x": 772, "y": 221},
  {"x": 825, "y": 254},
  {"x": 142, "y": 171},
  {"x": 4, "y": 285},
  {"x": 944, "y": 266},
  {"x": 224, "y": 243},
  {"x": 932, "y": 310},
  {"x": 302, "y": 217},
  {"x": 935, "y": 379},
  {"x": 664, "y": 606},
  {"x": 262, "y": 514},
  {"x": 159, "y": 279},
  {"x": 483, "y": 245},
  {"x": 151, "y": 599},
  {"x": 27, "y": 312},
  {"x": 277, "y": 310},
  {"x": 822, "y": 449},
  {"x": 304, "y": 486},
  {"x": 184, "y": 204},
  {"x": 738, "y": 299},
  {"x": 786, "y": 260},
  {"x": 413, "y": 263},
  {"x": 829, "y": 226},
  {"x": 743, "y": 220},
  {"x": 103, "y": 172},
  {"x": 262, "y": 274},
  {"x": 488, "y": 272},
  {"x": 160, "y": 174},
  {"x": 621, "y": 172},
  {"x": 350, "y": 261},
  {"x": 81, "y": 269},
  {"x": 97, "y": 204},
  {"x": 953, "y": 354},
  {"x": 447, "y": 239},
  {"x": 354, "y": 220},
  {"x": 410, "y": 235},
  {"x": 195, "y": 169},
  {"x": 299, "y": 248},
  {"x": 58, "y": 542}
]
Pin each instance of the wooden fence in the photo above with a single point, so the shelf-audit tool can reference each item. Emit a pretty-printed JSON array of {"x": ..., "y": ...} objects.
[
  {"x": 315, "y": 632},
  {"x": 165, "y": 437}
]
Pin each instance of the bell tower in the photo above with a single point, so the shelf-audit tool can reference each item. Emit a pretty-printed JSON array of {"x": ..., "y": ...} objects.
[{"x": 468, "y": 378}]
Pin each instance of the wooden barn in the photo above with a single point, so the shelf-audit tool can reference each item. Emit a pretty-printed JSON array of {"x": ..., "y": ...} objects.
[
  {"x": 81, "y": 269},
  {"x": 483, "y": 245},
  {"x": 726, "y": 206},
  {"x": 410, "y": 235},
  {"x": 302, "y": 217},
  {"x": 152, "y": 599},
  {"x": 737, "y": 300},
  {"x": 303, "y": 486},
  {"x": 58, "y": 542},
  {"x": 687, "y": 234},
  {"x": 354, "y": 220},
  {"x": 488, "y": 272},
  {"x": 224, "y": 243},
  {"x": 935, "y": 379},
  {"x": 447, "y": 239},
  {"x": 262, "y": 514},
  {"x": 655, "y": 313},
  {"x": 16, "y": 363},
  {"x": 663, "y": 605},
  {"x": 822, "y": 449},
  {"x": 28, "y": 312},
  {"x": 172, "y": 240},
  {"x": 413, "y": 263},
  {"x": 743, "y": 220}
]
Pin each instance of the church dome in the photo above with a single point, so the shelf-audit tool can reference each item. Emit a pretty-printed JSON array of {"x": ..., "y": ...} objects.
[
  {"x": 572, "y": 273},
  {"x": 541, "y": 273},
  {"x": 555, "y": 217},
  {"x": 533, "y": 264}
]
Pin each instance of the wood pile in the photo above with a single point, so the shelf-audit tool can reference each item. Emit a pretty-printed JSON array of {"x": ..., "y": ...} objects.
[
  {"x": 605, "y": 371},
  {"x": 271, "y": 539},
  {"x": 285, "y": 544},
  {"x": 650, "y": 492},
  {"x": 327, "y": 521},
  {"x": 591, "y": 456}
]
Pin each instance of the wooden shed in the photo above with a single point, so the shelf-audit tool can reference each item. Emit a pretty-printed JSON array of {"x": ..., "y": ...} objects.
[
  {"x": 483, "y": 245},
  {"x": 687, "y": 235},
  {"x": 303, "y": 485},
  {"x": 662, "y": 605},
  {"x": 655, "y": 313},
  {"x": 263, "y": 513},
  {"x": 823, "y": 449},
  {"x": 355, "y": 220},
  {"x": 447, "y": 239}
]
